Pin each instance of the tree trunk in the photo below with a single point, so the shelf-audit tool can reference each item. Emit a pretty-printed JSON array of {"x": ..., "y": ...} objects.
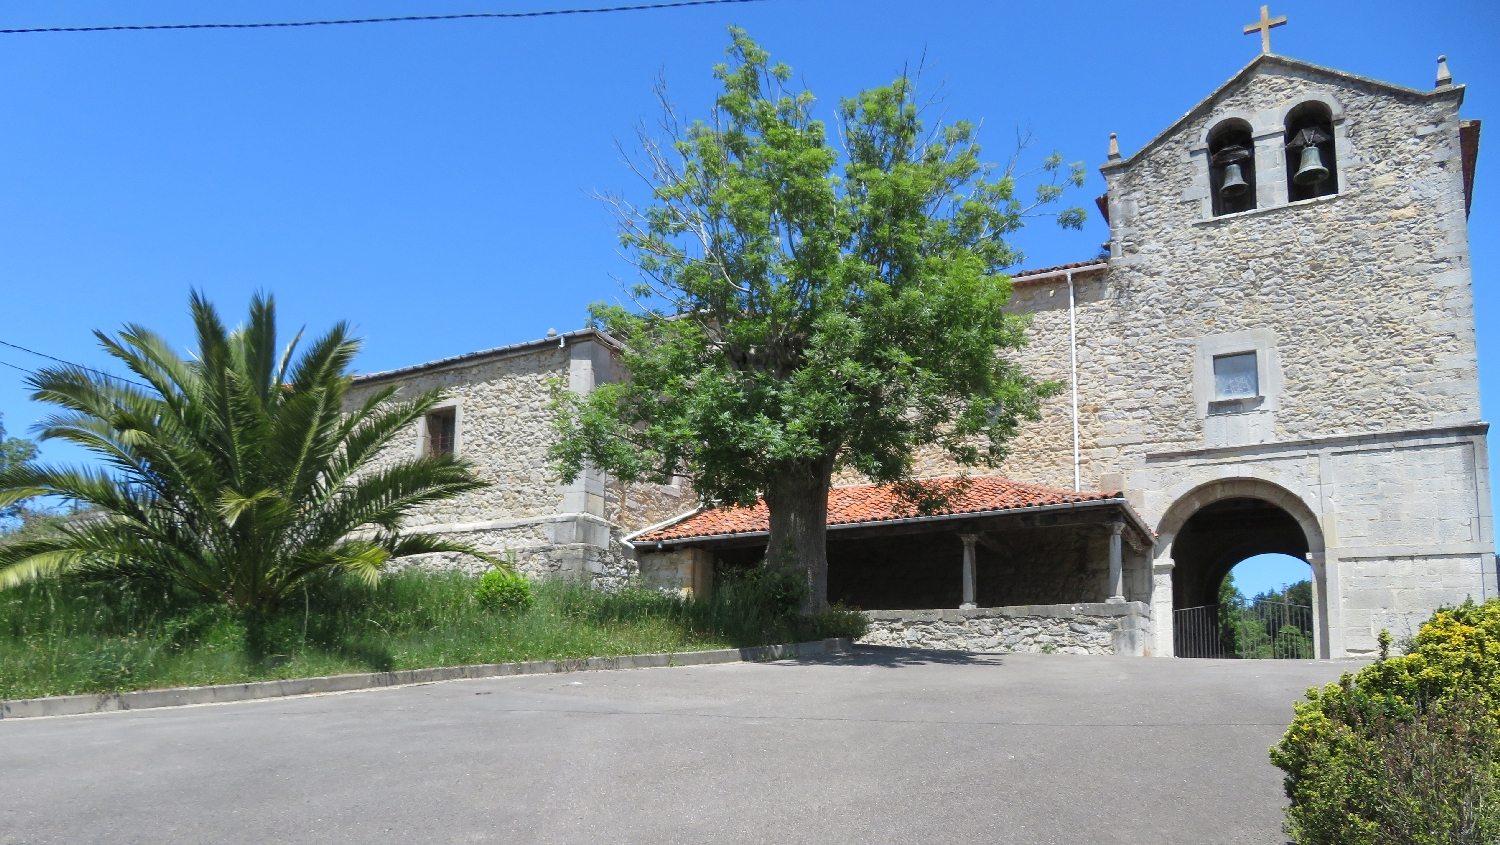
[{"x": 797, "y": 499}]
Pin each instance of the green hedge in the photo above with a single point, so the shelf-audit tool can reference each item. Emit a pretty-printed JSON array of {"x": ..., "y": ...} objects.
[{"x": 1406, "y": 750}]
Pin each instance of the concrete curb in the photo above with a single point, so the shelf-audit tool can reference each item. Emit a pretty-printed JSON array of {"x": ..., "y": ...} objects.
[{"x": 77, "y": 705}]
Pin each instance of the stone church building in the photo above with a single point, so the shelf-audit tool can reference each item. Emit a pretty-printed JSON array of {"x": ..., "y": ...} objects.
[{"x": 1277, "y": 354}]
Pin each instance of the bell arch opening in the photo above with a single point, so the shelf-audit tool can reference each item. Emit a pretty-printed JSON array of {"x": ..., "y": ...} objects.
[
  {"x": 1231, "y": 166},
  {"x": 1311, "y": 164},
  {"x": 1220, "y": 525}
]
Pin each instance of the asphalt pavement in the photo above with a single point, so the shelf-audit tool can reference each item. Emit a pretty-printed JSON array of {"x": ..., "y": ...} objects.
[{"x": 880, "y": 746}]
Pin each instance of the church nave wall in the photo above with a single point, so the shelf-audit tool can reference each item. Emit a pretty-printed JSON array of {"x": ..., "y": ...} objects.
[{"x": 503, "y": 427}]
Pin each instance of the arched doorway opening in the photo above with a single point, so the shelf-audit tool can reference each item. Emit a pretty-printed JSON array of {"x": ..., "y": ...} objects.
[
  {"x": 1273, "y": 576},
  {"x": 1211, "y": 530},
  {"x": 1221, "y": 535},
  {"x": 1263, "y": 611}
]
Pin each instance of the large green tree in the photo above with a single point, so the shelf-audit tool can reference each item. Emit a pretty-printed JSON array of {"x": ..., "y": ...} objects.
[
  {"x": 14, "y": 451},
  {"x": 804, "y": 307},
  {"x": 235, "y": 474}
]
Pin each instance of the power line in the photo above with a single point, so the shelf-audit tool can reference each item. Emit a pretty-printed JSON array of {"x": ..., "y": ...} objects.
[
  {"x": 678, "y": 4},
  {"x": 69, "y": 363}
]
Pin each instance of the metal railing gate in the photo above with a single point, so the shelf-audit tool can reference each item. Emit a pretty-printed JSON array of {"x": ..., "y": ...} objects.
[{"x": 1262, "y": 629}]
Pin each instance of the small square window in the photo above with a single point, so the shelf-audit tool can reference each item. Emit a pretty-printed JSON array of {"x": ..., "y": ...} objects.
[
  {"x": 441, "y": 428},
  {"x": 1235, "y": 376}
]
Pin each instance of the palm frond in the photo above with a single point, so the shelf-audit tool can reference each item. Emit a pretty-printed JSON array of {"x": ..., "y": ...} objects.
[
  {"x": 365, "y": 561},
  {"x": 408, "y": 545},
  {"x": 237, "y": 473}
]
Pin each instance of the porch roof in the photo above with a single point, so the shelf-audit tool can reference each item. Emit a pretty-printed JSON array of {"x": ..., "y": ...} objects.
[{"x": 875, "y": 504}]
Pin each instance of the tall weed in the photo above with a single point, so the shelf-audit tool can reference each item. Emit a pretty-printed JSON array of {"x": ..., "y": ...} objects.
[{"x": 61, "y": 637}]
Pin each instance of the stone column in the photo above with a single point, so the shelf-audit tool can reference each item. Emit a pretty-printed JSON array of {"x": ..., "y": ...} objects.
[
  {"x": 969, "y": 541},
  {"x": 1116, "y": 565},
  {"x": 1161, "y": 605},
  {"x": 1319, "y": 597},
  {"x": 700, "y": 579},
  {"x": 586, "y": 493}
]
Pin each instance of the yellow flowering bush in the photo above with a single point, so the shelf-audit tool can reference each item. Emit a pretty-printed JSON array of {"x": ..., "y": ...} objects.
[{"x": 1405, "y": 750}]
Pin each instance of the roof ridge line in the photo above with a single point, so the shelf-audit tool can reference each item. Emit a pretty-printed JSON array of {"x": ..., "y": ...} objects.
[{"x": 1271, "y": 58}]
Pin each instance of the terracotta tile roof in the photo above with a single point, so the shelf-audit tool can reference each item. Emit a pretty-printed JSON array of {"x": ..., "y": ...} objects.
[
  {"x": 1021, "y": 275},
  {"x": 878, "y": 503}
]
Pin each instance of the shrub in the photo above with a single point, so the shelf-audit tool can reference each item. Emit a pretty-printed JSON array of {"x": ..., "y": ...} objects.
[
  {"x": 504, "y": 591},
  {"x": 840, "y": 621},
  {"x": 1405, "y": 750},
  {"x": 767, "y": 605}
]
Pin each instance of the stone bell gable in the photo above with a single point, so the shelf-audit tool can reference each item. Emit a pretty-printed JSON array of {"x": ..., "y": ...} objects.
[
  {"x": 1361, "y": 297},
  {"x": 1292, "y": 369}
]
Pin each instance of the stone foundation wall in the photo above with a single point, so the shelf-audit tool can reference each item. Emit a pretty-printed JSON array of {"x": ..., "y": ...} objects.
[
  {"x": 1091, "y": 628},
  {"x": 574, "y": 546},
  {"x": 683, "y": 571}
]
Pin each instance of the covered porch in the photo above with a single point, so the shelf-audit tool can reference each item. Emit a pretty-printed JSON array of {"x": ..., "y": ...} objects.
[{"x": 1003, "y": 566}]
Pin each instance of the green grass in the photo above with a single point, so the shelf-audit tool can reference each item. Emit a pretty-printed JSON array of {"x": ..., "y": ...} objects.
[{"x": 61, "y": 638}]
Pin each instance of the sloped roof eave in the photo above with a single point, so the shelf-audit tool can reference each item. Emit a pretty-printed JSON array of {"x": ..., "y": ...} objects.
[
  {"x": 1244, "y": 72},
  {"x": 871, "y": 505},
  {"x": 471, "y": 358},
  {"x": 1077, "y": 268}
]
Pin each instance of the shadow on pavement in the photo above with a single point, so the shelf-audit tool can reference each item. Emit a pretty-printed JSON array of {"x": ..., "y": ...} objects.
[{"x": 892, "y": 657}]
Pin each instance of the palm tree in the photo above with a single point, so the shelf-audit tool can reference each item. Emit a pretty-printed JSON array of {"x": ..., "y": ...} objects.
[{"x": 237, "y": 475}]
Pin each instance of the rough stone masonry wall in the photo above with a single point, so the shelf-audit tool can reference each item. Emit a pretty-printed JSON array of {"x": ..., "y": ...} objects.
[
  {"x": 1367, "y": 292},
  {"x": 504, "y": 428},
  {"x": 636, "y": 506},
  {"x": 1094, "y": 628}
]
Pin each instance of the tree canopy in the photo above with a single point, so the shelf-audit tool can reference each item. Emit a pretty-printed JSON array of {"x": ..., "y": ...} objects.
[
  {"x": 805, "y": 306},
  {"x": 14, "y": 451},
  {"x": 236, "y": 475}
]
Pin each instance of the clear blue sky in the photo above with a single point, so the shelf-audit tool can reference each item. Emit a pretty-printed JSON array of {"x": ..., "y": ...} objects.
[{"x": 429, "y": 181}]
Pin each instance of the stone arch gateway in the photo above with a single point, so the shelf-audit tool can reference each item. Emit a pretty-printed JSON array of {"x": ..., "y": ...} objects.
[{"x": 1208, "y": 530}]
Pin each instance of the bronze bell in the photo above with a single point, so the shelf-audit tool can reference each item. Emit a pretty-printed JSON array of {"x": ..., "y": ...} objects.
[
  {"x": 1234, "y": 184},
  {"x": 1312, "y": 171}
]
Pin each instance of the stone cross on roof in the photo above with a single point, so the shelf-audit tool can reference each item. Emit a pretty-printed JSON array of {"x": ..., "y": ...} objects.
[{"x": 1264, "y": 25}]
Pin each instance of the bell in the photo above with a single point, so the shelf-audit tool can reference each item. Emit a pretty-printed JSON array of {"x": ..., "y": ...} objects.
[
  {"x": 1312, "y": 170},
  {"x": 1234, "y": 184}
]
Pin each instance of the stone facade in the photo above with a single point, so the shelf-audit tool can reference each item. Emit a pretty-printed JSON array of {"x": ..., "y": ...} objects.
[
  {"x": 502, "y": 425},
  {"x": 1092, "y": 628},
  {"x": 1364, "y": 432},
  {"x": 1359, "y": 308}
]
